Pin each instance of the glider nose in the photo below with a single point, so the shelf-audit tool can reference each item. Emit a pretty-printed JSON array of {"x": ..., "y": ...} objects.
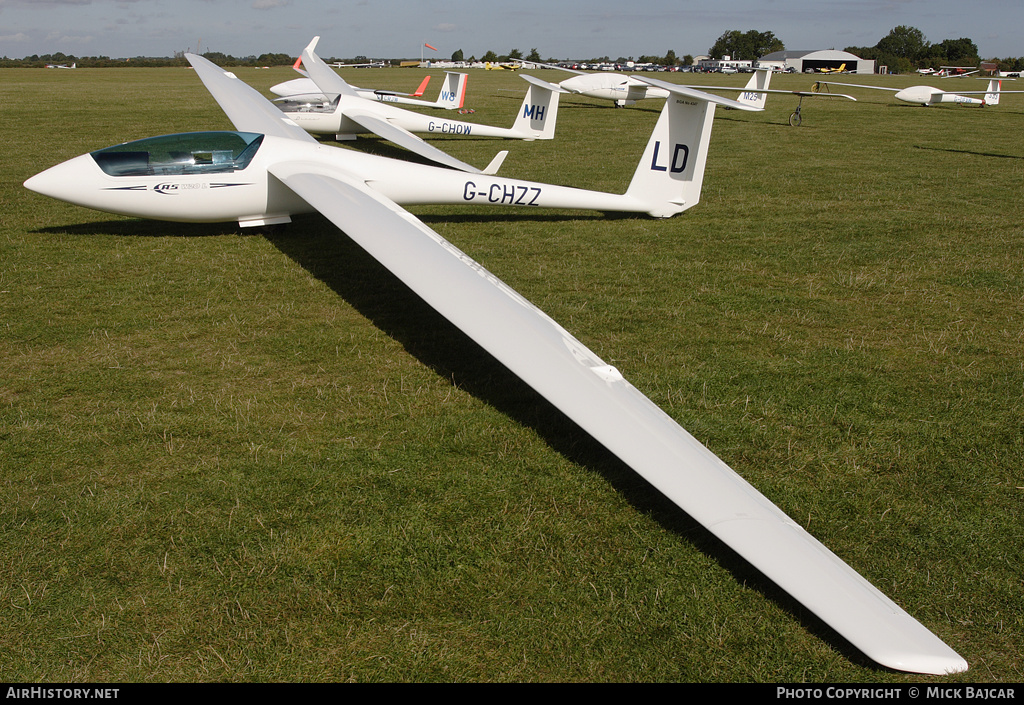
[{"x": 66, "y": 180}]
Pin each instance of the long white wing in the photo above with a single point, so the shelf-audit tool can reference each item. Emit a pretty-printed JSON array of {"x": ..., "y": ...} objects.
[
  {"x": 602, "y": 402},
  {"x": 406, "y": 139},
  {"x": 235, "y": 98},
  {"x": 596, "y": 397},
  {"x": 330, "y": 82},
  {"x": 326, "y": 79},
  {"x": 855, "y": 85}
]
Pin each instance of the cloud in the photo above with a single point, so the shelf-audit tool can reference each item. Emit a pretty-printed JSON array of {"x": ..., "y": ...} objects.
[{"x": 269, "y": 4}]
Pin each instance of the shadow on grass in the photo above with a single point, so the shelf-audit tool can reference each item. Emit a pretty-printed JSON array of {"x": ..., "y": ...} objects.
[
  {"x": 394, "y": 309},
  {"x": 967, "y": 151},
  {"x": 133, "y": 227}
]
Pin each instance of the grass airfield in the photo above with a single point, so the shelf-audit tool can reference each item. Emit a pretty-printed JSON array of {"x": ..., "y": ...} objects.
[{"x": 237, "y": 456}]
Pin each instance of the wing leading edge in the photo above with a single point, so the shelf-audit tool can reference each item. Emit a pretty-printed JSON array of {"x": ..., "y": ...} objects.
[{"x": 602, "y": 402}]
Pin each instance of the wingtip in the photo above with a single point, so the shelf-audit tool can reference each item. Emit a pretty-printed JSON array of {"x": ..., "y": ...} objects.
[{"x": 928, "y": 664}]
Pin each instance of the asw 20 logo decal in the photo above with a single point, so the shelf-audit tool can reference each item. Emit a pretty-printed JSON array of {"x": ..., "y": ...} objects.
[{"x": 170, "y": 189}]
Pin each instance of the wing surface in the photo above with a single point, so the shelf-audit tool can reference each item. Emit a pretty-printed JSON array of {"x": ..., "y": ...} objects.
[
  {"x": 688, "y": 92},
  {"x": 597, "y": 397},
  {"x": 857, "y": 85},
  {"x": 296, "y": 86},
  {"x": 533, "y": 80},
  {"x": 560, "y": 68},
  {"x": 404, "y": 138},
  {"x": 808, "y": 94},
  {"x": 323, "y": 75},
  {"x": 245, "y": 107},
  {"x": 897, "y": 90}
]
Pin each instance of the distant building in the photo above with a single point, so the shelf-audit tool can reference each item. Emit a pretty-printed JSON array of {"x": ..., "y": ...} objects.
[
  {"x": 726, "y": 63},
  {"x": 825, "y": 60}
]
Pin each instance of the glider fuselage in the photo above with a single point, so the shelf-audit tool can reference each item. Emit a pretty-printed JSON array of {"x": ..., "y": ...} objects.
[
  {"x": 611, "y": 86},
  {"x": 331, "y": 118},
  {"x": 926, "y": 95},
  {"x": 194, "y": 184}
]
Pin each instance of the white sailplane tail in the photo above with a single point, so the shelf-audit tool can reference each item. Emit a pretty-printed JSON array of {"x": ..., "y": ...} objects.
[
  {"x": 453, "y": 91},
  {"x": 758, "y": 82},
  {"x": 994, "y": 87},
  {"x": 539, "y": 110},
  {"x": 671, "y": 171}
]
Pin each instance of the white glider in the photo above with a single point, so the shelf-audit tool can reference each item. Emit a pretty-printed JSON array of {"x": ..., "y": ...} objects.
[
  {"x": 626, "y": 90},
  {"x": 623, "y": 90},
  {"x": 347, "y": 115},
  {"x": 452, "y": 95},
  {"x": 271, "y": 169},
  {"x": 929, "y": 95}
]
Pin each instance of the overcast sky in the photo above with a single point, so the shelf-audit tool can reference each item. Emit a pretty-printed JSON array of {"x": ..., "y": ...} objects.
[{"x": 556, "y": 28}]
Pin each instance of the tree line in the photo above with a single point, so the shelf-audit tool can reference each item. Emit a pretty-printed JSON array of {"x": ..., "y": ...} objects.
[
  {"x": 904, "y": 49},
  {"x": 42, "y": 60}
]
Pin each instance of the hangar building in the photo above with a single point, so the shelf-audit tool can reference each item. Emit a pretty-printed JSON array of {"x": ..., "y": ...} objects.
[{"x": 814, "y": 61}]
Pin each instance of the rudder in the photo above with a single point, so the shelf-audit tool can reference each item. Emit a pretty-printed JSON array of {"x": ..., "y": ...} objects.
[
  {"x": 671, "y": 171},
  {"x": 538, "y": 112},
  {"x": 758, "y": 82},
  {"x": 453, "y": 90},
  {"x": 992, "y": 97}
]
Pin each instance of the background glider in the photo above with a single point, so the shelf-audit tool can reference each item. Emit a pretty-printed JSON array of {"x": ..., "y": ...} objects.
[
  {"x": 347, "y": 115},
  {"x": 929, "y": 95}
]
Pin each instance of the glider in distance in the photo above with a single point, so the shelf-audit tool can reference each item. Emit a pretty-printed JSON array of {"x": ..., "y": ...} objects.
[
  {"x": 929, "y": 95},
  {"x": 346, "y": 114},
  {"x": 627, "y": 90},
  {"x": 451, "y": 97}
]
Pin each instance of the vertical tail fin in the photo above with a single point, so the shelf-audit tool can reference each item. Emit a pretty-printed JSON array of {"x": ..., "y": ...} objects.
[
  {"x": 669, "y": 177},
  {"x": 992, "y": 97},
  {"x": 453, "y": 92},
  {"x": 758, "y": 82},
  {"x": 671, "y": 171},
  {"x": 539, "y": 111}
]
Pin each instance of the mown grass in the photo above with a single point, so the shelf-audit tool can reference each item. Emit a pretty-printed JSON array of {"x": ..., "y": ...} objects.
[{"x": 242, "y": 457}]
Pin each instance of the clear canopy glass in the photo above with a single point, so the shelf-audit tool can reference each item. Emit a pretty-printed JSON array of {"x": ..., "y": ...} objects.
[
  {"x": 186, "y": 153},
  {"x": 308, "y": 104}
]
